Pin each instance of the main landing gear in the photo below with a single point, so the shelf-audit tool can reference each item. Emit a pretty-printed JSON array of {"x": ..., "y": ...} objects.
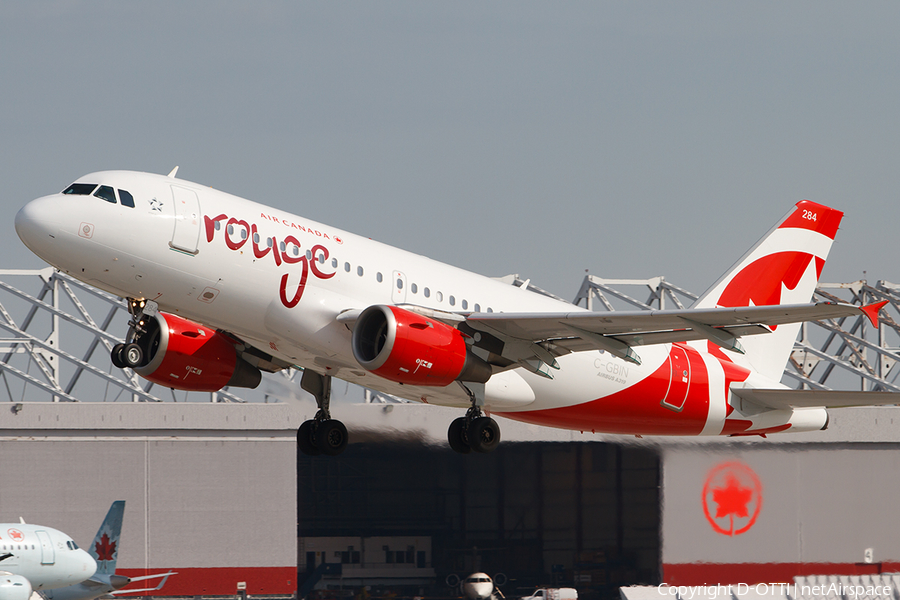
[
  {"x": 130, "y": 354},
  {"x": 475, "y": 431},
  {"x": 322, "y": 434}
]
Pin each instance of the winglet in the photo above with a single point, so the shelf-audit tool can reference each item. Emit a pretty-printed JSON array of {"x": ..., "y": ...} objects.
[
  {"x": 173, "y": 172},
  {"x": 871, "y": 311}
]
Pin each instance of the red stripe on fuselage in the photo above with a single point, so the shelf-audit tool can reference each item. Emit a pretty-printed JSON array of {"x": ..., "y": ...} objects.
[{"x": 638, "y": 409}]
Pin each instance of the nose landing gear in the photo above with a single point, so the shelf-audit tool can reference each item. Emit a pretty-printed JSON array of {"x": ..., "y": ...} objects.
[
  {"x": 321, "y": 434},
  {"x": 130, "y": 354}
]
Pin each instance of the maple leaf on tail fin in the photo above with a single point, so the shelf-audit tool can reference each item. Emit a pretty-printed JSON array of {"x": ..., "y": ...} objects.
[{"x": 782, "y": 268}]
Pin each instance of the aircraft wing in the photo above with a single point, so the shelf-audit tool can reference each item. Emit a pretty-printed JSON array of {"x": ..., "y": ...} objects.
[
  {"x": 553, "y": 334},
  {"x": 785, "y": 398}
]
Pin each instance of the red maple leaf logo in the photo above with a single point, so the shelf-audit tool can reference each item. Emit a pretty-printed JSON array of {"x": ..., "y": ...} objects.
[
  {"x": 105, "y": 549},
  {"x": 737, "y": 493},
  {"x": 731, "y": 499},
  {"x": 16, "y": 535}
]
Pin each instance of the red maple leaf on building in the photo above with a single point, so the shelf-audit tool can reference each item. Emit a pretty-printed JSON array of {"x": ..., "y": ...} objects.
[
  {"x": 732, "y": 499},
  {"x": 105, "y": 549}
]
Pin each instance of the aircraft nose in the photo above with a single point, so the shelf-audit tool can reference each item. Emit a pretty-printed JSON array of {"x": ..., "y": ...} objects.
[
  {"x": 37, "y": 225},
  {"x": 89, "y": 565}
]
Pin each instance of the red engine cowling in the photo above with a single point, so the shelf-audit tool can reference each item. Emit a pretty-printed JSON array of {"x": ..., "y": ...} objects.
[
  {"x": 185, "y": 355},
  {"x": 405, "y": 347}
]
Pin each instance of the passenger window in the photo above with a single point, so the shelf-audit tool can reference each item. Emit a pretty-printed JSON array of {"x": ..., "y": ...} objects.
[
  {"x": 427, "y": 292},
  {"x": 255, "y": 238},
  {"x": 439, "y": 296},
  {"x": 379, "y": 277},
  {"x": 334, "y": 263},
  {"x": 308, "y": 255},
  {"x": 270, "y": 242},
  {"x": 218, "y": 225},
  {"x": 281, "y": 247},
  {"x": 347, "y": 267},
  {"x": 399, "y": 284},
  {"x": 80, "y": 189},
  {"x": 413, "y": 288},
  {"x": 107, "y": 193},
  {"x": 465, "y": 305},
  {"x": 128, "y": 200},
  {"x": 490, "y": 309},
  {"x": 359, "y": 271},
  {"x": 477, "y": 308},
  {"x": 452, "y": 301}
]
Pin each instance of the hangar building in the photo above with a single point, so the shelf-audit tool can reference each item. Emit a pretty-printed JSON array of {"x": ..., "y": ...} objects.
[{"x": 218, "y": 493}]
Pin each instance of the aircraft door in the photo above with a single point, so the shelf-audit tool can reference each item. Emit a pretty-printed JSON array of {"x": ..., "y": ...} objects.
[
  {"x": 679, "y": 378},
  {"x": 48, "y": 554},
  {"x": 187, "y": 220},
  {"x": 398, "y": 295}
]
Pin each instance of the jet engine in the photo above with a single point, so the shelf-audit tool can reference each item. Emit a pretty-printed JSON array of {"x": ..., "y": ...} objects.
[
  {"x": 14, "y": 587},
  {"x": 405, "y": 347},
  {"x": 184, "y": 355}
]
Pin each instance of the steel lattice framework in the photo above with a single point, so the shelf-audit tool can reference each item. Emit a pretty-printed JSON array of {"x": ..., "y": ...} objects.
[{"x": 58, "y": 335}]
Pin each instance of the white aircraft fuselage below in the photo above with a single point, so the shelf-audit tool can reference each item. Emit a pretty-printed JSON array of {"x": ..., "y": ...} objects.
[
  {"x": 296, "y": 291},
  {"x": 45, "y": 557}
]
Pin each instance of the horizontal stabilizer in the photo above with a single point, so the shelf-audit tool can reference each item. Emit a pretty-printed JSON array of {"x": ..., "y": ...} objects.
[{"x": 786, "y": 398}]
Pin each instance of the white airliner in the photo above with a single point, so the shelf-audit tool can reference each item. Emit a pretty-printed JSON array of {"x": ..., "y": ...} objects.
[
  {"x": 222, "y": 288},
  {"x": 34, "y": 557},
  {"x": 479, "y": 586},
  {"x": 105, "y": 551}
]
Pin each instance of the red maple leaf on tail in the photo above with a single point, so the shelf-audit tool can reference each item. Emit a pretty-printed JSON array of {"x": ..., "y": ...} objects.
[{"x": 105, "y": 549}]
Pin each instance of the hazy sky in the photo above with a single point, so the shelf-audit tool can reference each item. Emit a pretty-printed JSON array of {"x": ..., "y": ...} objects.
[{"x": 632, "y": 139}]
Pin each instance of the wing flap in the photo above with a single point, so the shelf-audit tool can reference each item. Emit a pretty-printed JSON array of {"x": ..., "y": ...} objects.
[
  {"x": 576, "y": 344},
  {"x": 544, "y": 326},
  {"x": 787, "y": 398}
]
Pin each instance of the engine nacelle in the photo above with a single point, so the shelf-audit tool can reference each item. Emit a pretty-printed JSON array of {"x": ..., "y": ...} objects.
[
  {"x": 14, "y": 587},
  {"x": 405, "y": 347},
  {"x": 185, "y": 355}
]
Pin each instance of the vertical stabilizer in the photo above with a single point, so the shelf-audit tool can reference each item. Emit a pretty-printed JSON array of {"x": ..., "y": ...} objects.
[
  {"x": 105, "y": 547},
  {"x": 782, "y": 268}
]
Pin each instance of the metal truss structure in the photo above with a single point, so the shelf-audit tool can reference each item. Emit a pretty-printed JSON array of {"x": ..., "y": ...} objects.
[
  {"x": 57, "y": 350},
  {"x": 56, "y": 339}
]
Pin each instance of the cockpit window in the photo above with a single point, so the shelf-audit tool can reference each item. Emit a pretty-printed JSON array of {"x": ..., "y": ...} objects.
[
  {"x": 81, "y": 189},
  {"x": 72, "y": 545},
  {"x": 107, "y": 193},
  {"x": 127, "y": 199}
]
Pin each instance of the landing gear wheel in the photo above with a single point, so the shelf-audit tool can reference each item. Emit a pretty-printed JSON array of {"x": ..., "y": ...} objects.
[
  {"x": 484, "y": 434},
  {"x": 456, "y": 437},
  {"x": 116, "y": 356},
  {"x": 132, "y": 355},
  {"x": 305, "y": 441},
  {"x": 331, "y": 437}
]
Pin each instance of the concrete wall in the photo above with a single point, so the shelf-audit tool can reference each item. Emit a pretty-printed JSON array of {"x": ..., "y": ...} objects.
[
  {"x": 767, "y": 510},
  {"x": 217, "y": 505}
]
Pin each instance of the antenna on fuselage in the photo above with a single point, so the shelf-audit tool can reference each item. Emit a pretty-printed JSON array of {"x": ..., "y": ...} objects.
[{"x": 173, "y": 171}]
